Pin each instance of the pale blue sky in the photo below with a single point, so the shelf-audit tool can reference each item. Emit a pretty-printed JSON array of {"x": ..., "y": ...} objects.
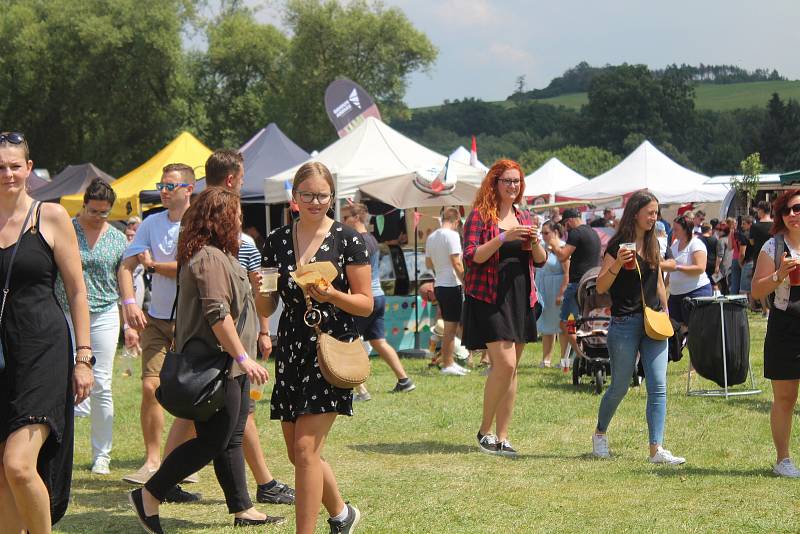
[{"x": 484, "y": 45}]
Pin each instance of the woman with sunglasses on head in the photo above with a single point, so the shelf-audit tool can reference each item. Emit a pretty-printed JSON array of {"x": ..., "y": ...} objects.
[
  {"x": 101, "y": 247},
  {"x": 501, "y": 248},
  {"x": 305, "y": 403},
  {"x": 40, "y": 383},
  {"x": 782, "y": 342},
  {"x": 688, "y": 279}
]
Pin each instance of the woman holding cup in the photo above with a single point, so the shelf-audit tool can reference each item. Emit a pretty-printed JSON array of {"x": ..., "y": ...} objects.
[
  {"x": 689, "y": 278},
  {"x": 781, "y": 353},
  {"x": 626, "y": 334}
]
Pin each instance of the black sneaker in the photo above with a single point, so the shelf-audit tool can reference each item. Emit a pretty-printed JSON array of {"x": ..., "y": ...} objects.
[
  {"x": 150, "y": 523},
  {"x": 504, "y": 448},
  {"x": 178, "y": 496},
  {"x": 348, "y": 526},
  {"x": 487, "y": 443},
  {"x": 404, "y": 387},
  {"x": 280, "y": 493}
]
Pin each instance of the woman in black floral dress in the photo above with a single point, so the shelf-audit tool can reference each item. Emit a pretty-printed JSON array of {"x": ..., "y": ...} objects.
[{"x": 305, "y": 403}]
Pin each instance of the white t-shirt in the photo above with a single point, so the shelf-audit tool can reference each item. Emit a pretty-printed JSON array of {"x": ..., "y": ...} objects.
[
  {"x": 440, "y": 246},
  {"x": 784, "y": 289},
  {"x": 159, "y": 235},
  {"x": 681, "y": 283}
]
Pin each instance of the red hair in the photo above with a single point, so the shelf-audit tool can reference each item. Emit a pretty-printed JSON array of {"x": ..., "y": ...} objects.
[
  {"x": 780, "y": 204},
  {"x": 486, "y": 202},
  {"x": 212, "y": 219}
]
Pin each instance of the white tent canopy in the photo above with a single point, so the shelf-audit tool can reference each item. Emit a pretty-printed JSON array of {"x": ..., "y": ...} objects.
[
  {"x": 462, "y": 155},
  {"x": 370, "y": 152},
  {"x": 648, "y": 168},
  {"x": 551, "y": 176}
]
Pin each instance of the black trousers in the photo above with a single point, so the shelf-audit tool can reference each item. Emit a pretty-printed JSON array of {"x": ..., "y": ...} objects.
[{"x": 218, "y": 439}]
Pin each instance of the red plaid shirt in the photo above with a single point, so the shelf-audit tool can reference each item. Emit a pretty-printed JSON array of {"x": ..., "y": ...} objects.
[{"x": 480, "y": 281}]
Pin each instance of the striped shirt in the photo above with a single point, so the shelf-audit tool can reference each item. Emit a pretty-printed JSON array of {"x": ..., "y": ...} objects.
[{"x": 249, "y": 256}]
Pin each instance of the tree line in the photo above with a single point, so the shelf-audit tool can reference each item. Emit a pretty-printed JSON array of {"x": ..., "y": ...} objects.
[
  {"x": 112, "y": 81},
  {"x": 626, "y": 105}
]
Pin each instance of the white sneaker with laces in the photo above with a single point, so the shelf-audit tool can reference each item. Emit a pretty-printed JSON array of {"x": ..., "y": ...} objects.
[
  {"x": 460, "y": 368},
  {"x": 101, "y": 466},
  {"x": 452, "y": 370},
  {"x": 663, "y": 456},
  {"x": 600, "y": 446},
  {"x": 786, "y": 468}
]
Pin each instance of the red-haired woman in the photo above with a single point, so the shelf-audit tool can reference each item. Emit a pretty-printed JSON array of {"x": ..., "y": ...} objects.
[
  {"x": 214, "y": 293},
  {"x": 782, "y": 342},
  {"x": 500, "y": 293}
]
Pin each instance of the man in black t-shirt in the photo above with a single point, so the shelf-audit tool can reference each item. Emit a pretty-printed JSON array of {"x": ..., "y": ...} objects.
[
  {"x": 759, "y": 234},
  {"x": 583, "y": 252}
]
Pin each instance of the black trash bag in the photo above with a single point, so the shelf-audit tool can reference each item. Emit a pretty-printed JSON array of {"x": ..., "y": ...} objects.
[
  {"x": 676, "y": 342},
  {"x": 705, "y": 340}
]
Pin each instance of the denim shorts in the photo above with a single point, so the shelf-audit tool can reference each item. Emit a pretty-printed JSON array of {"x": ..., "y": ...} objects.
[
  {"x": 746, "y": 281},
  {"x": 570, "y": 302}
]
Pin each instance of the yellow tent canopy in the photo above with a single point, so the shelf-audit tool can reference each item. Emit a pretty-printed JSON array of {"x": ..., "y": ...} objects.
[{"x": 185, "y": 148}]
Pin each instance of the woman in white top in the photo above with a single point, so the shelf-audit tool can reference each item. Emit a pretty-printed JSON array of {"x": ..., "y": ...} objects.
[{"x": 689, "y": 278}]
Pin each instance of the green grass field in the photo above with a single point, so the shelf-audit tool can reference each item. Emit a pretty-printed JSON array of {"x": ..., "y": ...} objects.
[
  {"x": 715, "y": 97},
  {"x": 411, "y": 464}
]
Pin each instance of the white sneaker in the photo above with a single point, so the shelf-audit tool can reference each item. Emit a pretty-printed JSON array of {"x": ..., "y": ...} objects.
[
  {"x": 786, "y": 468},
  {"x": 600, "y": 446},
  {"x": 101, "y": 466},
  {"x": 462, "y": 369},
  {"x": 452, "y": 370},
  {"x": 663, "y": 456}
]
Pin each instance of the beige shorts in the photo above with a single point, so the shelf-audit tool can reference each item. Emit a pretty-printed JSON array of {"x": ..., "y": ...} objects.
[{"x": 156, "y": 340}]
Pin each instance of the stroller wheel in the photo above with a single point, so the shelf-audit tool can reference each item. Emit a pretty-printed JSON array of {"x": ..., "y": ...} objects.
[{"x": 599, "y": 378}]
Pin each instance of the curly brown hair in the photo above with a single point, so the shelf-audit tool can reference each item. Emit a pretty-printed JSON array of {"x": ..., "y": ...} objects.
[
  {"x": 486, "y": 201},
  {"x": 212, "y": 219}
]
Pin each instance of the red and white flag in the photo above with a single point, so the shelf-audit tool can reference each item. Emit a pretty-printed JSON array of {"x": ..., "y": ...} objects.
[{"x": 473, "y": 153}]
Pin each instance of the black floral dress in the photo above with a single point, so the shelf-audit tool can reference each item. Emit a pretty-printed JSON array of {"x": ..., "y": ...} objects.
[{"x": 299, "y": 387}]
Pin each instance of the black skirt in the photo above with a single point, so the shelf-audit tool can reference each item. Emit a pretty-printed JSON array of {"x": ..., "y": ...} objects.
[
  {"x": 782, "y": 346},
  {"x": 510, "y": 317}
]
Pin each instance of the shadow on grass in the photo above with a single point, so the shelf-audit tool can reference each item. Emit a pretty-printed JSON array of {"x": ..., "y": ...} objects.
[
  {"x": 440, "y": 447},
  {"x": 757, "y": 405},
  {"x": 106, "y": 521},
  {"x": 710, "y": 471}
]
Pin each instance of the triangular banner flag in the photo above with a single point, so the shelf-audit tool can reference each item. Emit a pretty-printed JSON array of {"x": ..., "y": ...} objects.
[{"x": 379, "y": 222}]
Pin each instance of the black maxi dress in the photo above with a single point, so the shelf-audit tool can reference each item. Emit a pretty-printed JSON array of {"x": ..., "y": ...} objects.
[
  {"x": 36, "y": 386},
  {"x": 300, "y": 387},
  {"x": 510, "y": 317}
]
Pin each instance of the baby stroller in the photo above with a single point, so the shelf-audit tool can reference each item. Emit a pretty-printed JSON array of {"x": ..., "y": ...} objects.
[{"x": 592, "y": 333}]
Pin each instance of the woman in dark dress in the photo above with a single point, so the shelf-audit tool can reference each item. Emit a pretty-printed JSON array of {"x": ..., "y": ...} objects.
[
  {"x": 40, "y": 384},
  {"x": 500, "y": 293},
  {"x": 782, "y": 342},
  {"x": 304, "y": 402}
]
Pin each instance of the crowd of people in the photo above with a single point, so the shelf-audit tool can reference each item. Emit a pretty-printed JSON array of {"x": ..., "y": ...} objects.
[{"x": 75, "y": 287}]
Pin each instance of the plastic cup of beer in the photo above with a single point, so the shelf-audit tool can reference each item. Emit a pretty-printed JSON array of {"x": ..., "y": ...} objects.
[
  {"x": 526, "y": 243},
  {"x": 269, "y": 279},
  {"x": 256, "y": 391},
  {"x": 794, "y": 276},
  {"x": 630, "y": 265}
]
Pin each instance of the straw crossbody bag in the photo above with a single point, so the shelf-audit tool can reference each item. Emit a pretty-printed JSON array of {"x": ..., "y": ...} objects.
[
  {"x": 6, "y": 288},
  {"x": 656, "y": 323},
  {"x": 343, "y": 364}
]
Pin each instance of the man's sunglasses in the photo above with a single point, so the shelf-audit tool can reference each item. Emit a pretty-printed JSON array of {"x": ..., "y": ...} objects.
[
  {"x": 170, "y": 187},
  {"x": 15, "y": 138},
  {"x": 794, "y": 210}
]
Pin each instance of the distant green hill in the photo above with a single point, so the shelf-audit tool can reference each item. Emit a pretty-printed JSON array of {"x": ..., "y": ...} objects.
[{"x": 716, "y": 97}]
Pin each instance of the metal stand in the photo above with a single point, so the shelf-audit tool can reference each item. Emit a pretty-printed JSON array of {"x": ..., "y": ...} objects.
[{"x": 725, "y": 391}]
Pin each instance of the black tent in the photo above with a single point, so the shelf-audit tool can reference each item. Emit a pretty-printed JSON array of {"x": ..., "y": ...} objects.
[
  {"x": 265, "y": 154},
  {"x": 74, "y": 179}
]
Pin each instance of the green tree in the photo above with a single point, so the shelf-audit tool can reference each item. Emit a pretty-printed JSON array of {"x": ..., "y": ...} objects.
[
  {"x": 587, "y": 161},
  {"x": 376, "y": 47},
  {"x": 747, "y": 183},
  {"x": 97, "y": 80}
]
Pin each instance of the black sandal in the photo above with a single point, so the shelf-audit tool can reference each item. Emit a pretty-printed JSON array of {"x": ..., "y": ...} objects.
[{"x": 150, "y": 524}]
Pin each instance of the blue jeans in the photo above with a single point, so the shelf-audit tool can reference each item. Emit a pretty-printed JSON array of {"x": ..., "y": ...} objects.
[
  {"x": 734, "y": 278},
  {"x": 626, "y": 339}
]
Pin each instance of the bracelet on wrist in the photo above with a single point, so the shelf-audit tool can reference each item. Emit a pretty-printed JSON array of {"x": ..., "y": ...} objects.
[
  {"x": 83, "y": 347},
  {"x": 129, "y": 301},
  {"x": 241, "y": 357},
  {"x": 502, "y": 237},
  {"x": 263, "y": 334}
]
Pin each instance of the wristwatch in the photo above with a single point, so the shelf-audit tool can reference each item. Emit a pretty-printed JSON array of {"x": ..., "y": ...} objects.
[
  {"x": 150, "y": 269},
  {"x": 86, "y": 359}
]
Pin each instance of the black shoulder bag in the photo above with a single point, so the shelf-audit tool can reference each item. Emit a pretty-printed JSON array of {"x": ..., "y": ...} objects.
[
  {"x": 7, "y": 286},
  {"x": 193, "y": 381}
]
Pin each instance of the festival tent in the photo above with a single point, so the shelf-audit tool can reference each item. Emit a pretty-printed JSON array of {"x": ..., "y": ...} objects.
[
  {"x": 372, "y": 151},
  {"x": 35, "y": 181},
  {"x": 462, "y": 155},
  {"x": 185, "y": 148},
  {"x": 648, "y": 168},
  {"x": 73, "y": 180},
  {"x": 551, "y": 176}
]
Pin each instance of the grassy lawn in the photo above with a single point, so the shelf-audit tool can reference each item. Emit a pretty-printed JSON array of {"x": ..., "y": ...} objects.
[{"x": 411, "y": 464}]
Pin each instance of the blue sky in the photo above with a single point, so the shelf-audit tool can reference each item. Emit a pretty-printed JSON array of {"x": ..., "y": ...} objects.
[{"x": 484, "y": 45}]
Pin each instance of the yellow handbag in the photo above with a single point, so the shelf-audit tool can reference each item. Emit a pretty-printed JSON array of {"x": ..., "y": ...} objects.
[{"x": 656, "y": 323}]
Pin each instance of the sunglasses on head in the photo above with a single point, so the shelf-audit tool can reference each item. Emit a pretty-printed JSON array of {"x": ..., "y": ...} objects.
[
  {"x": 15, "y": 138},
  {"x": 792, "y": 210},
  {"x": 170, "y": 187}
]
